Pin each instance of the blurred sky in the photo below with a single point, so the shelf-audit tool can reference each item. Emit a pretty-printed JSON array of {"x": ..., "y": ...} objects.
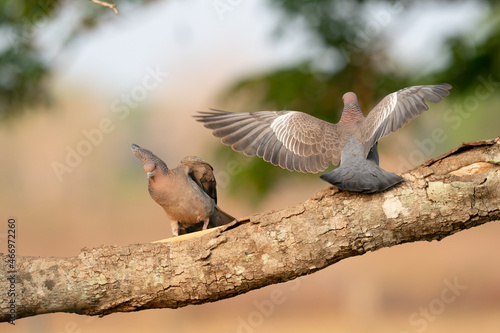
[
  {"x": 104, "y": 199},
  {"x": 183, "y": 37},
  {"x": 179, "y": 35}
]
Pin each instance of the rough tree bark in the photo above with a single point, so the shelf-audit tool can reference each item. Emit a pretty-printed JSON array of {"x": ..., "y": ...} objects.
[{"x": 456, "y": 191}]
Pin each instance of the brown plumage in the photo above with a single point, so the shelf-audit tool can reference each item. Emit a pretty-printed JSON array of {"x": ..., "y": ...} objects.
[
  {"x": 187, "y": 193},
  {"x": 299, "y": 142}
]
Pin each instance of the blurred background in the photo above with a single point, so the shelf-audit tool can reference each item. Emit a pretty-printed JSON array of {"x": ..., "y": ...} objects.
[{"x": 79, "y": 85}]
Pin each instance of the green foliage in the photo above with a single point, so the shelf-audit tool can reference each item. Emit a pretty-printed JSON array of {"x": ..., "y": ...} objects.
[
  {"x": 23, "y": 72},
  {"x": 477, "y": 54},
  {"x": 21, "y": 69}
]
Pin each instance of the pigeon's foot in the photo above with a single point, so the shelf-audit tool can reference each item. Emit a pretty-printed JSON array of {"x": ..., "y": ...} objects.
[{"x": 205, "y": 224}]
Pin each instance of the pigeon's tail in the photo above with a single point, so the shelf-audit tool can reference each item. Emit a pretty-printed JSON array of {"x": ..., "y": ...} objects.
[
  {"x": 222, "y": 218},
  {"x": 367, "y": 181}
]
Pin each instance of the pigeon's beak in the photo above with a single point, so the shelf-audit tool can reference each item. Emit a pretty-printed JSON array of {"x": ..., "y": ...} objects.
[
  {"x": 141, "y": 153},
  {"x": 150, "y": 169}
]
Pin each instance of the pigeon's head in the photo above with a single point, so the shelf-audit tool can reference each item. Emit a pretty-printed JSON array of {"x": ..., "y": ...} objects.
[
  {"x": 152, "y": 163},
  {"x": 350, "y": 97},
  {"x": 151, "y": 169}
]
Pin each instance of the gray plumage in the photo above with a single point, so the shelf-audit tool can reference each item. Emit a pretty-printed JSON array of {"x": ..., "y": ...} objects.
[
  {"x": 299, "y": 142},
  {"x": 187, "y": 193}
]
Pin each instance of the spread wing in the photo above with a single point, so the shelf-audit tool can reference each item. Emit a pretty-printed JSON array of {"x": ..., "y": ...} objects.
[
  {"x": 397, "y": 109},
  {"x": 202, "y": 173},
  {"x": 293, "y": 140}
]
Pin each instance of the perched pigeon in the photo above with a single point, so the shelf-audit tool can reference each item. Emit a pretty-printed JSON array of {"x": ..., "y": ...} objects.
[
  {"x": 186, "y": 193},
  {"x": 299, "y": 142}
]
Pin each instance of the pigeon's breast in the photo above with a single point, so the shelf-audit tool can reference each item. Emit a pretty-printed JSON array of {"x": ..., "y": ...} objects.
[{"x": 190, "y": 206}]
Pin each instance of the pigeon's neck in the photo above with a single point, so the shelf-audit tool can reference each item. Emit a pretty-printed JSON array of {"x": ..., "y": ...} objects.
[
  {"x": 161, "y": 179},
  {"x": 163, "y": 167},
  {"x": 161, "y": 174},
  {"x": 351, "y": 114}
]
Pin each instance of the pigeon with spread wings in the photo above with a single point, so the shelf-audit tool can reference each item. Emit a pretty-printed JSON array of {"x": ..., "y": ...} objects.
[{"x": 299, "y": 142}]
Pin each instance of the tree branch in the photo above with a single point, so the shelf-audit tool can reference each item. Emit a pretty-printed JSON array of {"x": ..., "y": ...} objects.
[
  {"x": 107, "y": 4},
  {"x": 454, "y": 192}
]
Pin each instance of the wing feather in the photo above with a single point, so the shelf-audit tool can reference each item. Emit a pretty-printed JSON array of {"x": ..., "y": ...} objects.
[
  {"x": 396, "y": 109},
  {"x": 202, "y": 173},
  {"x": 293, "y": 140}
]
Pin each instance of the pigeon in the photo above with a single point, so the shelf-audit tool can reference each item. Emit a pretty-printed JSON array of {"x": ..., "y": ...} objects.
[
  {"x": 187, "y": 193},
  {"x": 300, "y": 142}
]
